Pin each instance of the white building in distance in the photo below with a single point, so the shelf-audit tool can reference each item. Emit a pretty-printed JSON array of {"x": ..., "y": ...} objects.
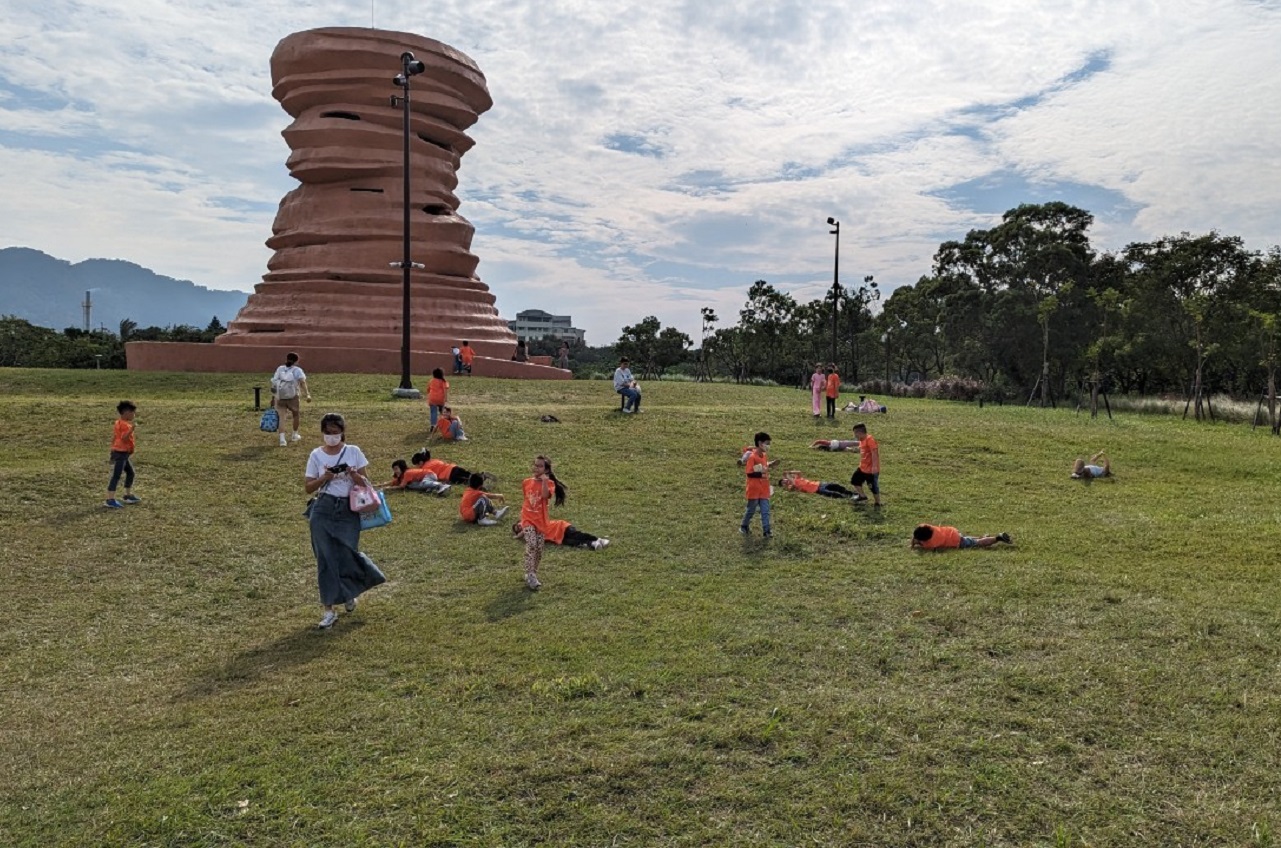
[{"x": 534, "y": 324}]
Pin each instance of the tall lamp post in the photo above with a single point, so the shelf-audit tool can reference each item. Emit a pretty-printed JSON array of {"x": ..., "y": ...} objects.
[
  {"x": 836, "y": 285},
  {"x": 409, "y": 67}
]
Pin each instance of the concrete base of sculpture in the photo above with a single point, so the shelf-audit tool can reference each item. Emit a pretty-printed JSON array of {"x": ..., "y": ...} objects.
[{"x": 253, "y": 359}]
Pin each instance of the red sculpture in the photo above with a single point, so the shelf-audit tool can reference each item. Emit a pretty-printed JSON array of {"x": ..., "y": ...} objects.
[{"x": 333, "y": 291}]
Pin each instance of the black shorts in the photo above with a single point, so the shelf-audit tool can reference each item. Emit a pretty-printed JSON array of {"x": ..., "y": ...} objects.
[{"x": 860, "y": 477}]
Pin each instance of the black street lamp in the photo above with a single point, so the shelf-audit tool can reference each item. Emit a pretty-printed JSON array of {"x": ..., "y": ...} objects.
[
  {"x": 409, "y": 67},
  {"x": 836, "y": 285}
]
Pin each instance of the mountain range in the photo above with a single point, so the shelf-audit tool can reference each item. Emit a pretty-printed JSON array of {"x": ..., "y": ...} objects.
[{"x": 50, "y": 292}]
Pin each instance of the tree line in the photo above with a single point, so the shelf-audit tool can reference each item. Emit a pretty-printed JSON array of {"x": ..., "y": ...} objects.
[
  {"x": 23, "y": 344},
  {"x": 1029, "y": 310}
]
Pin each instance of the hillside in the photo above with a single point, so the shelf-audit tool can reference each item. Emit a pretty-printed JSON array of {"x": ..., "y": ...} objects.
[{"x": 49, "y": 292}]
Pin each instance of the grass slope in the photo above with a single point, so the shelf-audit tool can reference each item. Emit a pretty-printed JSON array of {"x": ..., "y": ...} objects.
[{"x": 1112, "y": 680}]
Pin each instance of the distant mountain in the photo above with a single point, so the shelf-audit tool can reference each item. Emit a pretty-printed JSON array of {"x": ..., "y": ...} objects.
[{"x": 50, "y": 292}]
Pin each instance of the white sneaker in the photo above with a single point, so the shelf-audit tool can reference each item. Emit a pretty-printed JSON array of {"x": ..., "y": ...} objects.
[
  {"x": 443, "y": 490},
  {"x": 350, "y": 606},
  {"x": 282, "y": 440},
  {"x": 627, "y": 412},
  {"x": 486, "y": 521},
  {"x": 327, "y": 620},
  {"x": 531, "y": 580},
  {"x": 461, "y": 439},
  {"x": 502, "y": 510},
  {"x": 600, "y": 544},
  {"x": 297, "y": 436}
]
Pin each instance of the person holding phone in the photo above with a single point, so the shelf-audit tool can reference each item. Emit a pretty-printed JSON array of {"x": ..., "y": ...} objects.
[{"x": 343, "y": 571}]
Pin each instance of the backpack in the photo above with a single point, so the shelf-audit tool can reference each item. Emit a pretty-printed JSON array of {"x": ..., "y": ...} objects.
[
  {"x": 270, "y": 422},
  {"x": 286, "y": 385}
]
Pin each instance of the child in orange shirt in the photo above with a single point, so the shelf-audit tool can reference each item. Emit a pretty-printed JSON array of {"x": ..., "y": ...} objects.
[
  {"x": 478, "y": 505},
  {"x": 758, "y": 487},
  {"x": 447, "y": 471},
  {"x": 414, "y": 479},
  {"x": 450, "y": 426},
  {"x": 437, "y": 394},
  {"x": 122, "y": 446},
  {"x": 929, "y": 537},
  {"x": 869, "y": 465},
  {"x": 794, "y": 482},
  {"x": 833, "y": 389},
  {"x": 537, "y": 528},
  {"x": 467, "y": 353}
]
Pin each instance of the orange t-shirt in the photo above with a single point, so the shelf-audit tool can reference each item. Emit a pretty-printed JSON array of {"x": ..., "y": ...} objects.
[
  {"x": 757, "y": 487},
  {"x": 440, "y": 468},
  {"x": 122, "y": 436},
  {"x": 800, "y": 484},
  {"x": 467, "y": 509},
  {"x": 944, "y": 537},
  {"x": 437, "y": 391},
  {"x": 833, "y": 385},
  {"x": 555, "y": 531},
  {"x": 533, "y": 510},
  {"x": 442, "y": 427},
  {"x": 870, "y": 460},
  {"x": 467, "y": 353},
  {"x": 414, "y": 475}
]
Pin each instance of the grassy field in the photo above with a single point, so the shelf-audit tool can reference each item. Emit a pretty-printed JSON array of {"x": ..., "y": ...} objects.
[{"x": 1112, "y": 680}]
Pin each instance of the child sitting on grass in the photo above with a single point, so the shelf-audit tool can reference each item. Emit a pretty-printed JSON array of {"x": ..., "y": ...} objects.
[
  {"x": 477, "y": 505},
  {"x": 450, "y": 426},
  {"x": 794, "y": 482},
  {"x": 930, "y": 537},
  {"x": 414, "y": 479},
  {"x": 1081, "y": 470}
]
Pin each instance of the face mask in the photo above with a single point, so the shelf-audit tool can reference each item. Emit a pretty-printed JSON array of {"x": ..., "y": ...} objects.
[
  {"x": 764, "y": 446},
  {"x": 333, "y": 440}
]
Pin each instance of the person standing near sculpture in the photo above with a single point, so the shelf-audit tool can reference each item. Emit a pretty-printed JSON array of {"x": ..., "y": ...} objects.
[
  {"x": 563, "y": 356},
  {"x": 467, "y": 353},
  {"x": 287, "y": 384},
  {"x": 625, "y": 385},
  {"x": 343, "y": 571}
]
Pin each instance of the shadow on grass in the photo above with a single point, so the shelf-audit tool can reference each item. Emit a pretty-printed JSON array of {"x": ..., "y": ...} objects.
[
  {"x": 75, "y": 516},
  {"x": 250, "y": 453},
  {"x": 294, "y": 648},
  {"x": 513, "y": 601}
]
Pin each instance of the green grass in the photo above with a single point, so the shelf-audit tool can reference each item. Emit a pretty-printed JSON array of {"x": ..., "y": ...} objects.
[{"x": 1111, "y": 680}]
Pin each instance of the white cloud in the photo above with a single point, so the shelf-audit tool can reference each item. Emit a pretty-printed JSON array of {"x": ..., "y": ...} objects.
[{"x": 150, "y": 127}]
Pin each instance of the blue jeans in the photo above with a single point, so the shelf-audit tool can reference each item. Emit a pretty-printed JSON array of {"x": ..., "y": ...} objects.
[
  {"x": 435, "y": 413},
  {"x": 752, "y": 505},
  {"x": 631, "y": 398},
  {"x": 120, "y": 464}
]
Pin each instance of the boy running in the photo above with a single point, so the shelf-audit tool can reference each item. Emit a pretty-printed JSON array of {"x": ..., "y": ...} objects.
[{"x": 122, "y": 445}]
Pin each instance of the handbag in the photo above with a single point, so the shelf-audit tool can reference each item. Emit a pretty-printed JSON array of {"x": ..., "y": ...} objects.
[
  {"x": 377, "y": 518},
  {"x": 270, "y": 422},
  {"x": 363, "y": 498}
]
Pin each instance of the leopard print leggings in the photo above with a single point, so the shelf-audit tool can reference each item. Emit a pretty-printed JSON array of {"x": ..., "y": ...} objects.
[{"x": 533, "y": 549}]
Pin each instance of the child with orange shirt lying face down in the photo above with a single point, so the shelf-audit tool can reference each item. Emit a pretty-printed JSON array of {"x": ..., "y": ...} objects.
[
  {"x": 930, "y": 537},
  {"x": 414, "y": 479},
  {"x": 794, "y": 482}
]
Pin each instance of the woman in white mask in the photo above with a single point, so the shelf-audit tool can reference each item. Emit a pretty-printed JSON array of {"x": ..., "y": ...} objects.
[{"x": 342, "y": 570}]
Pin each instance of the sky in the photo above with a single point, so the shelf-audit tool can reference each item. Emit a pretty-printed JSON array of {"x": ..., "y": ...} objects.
[{"x": 658, "y": 157}]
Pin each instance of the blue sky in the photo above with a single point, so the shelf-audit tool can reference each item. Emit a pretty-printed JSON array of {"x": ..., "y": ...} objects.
[{"x": 657, "y": 157}]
